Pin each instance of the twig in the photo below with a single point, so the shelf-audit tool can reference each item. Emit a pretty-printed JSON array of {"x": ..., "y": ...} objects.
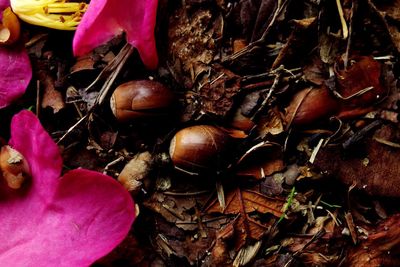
[
  {"x": 72, "y": 128},
  {"x": 121, "y": 158},
  {"x": 361, "y": 92},
  {"x": 115, "y": 66},
  {"x": 37, "y": 97},
  {"x": 361, "y": 133},
  {"x": 353, "y": 9}
]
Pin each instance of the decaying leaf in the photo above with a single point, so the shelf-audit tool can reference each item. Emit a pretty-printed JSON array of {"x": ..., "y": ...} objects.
[
  {"x": 318, "y": 246},
  {"x": 363, "y": 73},
  {"x": 179, "y": 209},
  {"x": 270, "y": 124},
  {"x": 261, "y": 160},
  {"x": 390, "y": 11},
  {"x": 382, "y": 247},
  {"x": 192, "y": 43},
  {"x": 217, "y": 90},
  {"x": 378, "y": 175},
  {"x": 52, "y": 98},
  {"x": 242, "y": 203}
]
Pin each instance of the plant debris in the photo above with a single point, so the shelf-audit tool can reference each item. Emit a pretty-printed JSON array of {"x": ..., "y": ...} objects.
[{"x": 273, "y": 141}]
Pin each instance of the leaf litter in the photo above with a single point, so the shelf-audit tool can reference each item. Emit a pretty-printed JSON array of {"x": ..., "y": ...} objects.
[{"x": 308, "y": 91}]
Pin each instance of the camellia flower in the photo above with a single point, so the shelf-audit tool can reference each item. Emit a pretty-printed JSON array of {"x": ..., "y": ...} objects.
[
  {"x": 71, "y": 220},
  {"x": 15, "y": 68},
  {"x": 105, "y": 19}
]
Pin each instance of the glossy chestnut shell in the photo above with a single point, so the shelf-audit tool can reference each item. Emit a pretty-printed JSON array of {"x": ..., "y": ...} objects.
[
  {"x": 200, "y": 148},
  {"x": 140, "y": 99}
]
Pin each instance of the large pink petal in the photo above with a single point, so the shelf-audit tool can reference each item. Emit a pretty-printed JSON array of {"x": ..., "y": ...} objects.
[
  {"x": 68, "y": 221},
  {"x": 15, "y": 73},
  {"x": 105, "y": 19}
]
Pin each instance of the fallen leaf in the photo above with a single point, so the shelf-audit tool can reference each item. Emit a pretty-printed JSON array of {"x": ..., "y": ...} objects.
[
  {"x": 243, "y": 202},
  {"x": 364, "y": 72},
  {"x": 51, "y": 98},
  {"x": 178, "y": 209},
  {"x": 251, "y": 18},
  {"x": 379, "y": 176},
  {"x": 218, "y": 91},
  {"x": 391, "y": 14},
  {"x": 261, "y": 160},
  {"x": 382, "y": 247}
]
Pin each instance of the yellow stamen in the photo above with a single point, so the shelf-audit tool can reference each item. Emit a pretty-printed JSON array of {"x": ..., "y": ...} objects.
[{"x": 55, "y": 14}]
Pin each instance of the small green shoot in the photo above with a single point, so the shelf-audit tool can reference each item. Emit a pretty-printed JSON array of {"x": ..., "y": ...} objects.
[{"x": 287, "y": 204}]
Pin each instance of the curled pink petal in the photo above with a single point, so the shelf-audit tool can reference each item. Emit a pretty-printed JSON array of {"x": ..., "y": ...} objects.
[
  {"x": 105, "y": 19},
  {"x": 69, "y": 221},
  {"x": 3, "y": 5},
  {"x": 15, "y": 73}
]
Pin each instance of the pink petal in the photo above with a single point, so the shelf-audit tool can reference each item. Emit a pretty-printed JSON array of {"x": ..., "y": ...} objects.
[
  {"x": 15, "y": 73},
  {"x": 3, "y": 5},
  {"x": 68, "y": 221},
  {"x": 105, "y": 19}
]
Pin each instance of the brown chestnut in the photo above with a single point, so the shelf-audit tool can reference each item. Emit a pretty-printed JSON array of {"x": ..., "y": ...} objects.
[
  {"x": 140, "y": 99},
  {"x": 199, "y": 148}
]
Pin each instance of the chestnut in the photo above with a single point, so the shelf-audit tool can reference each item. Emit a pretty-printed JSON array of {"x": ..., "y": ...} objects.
[
  {"x": 14, "y": 167},
  {"x": 140, "y": 99},
  {"x": 200, "y": 148}
]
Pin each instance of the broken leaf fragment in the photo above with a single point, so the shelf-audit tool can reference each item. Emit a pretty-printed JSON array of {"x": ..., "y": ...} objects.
[
  {"x": 55, "y": 14},
  {"x": 71, "y": 220}
]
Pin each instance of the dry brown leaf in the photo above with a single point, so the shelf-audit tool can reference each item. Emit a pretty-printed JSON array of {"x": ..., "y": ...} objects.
[
  {"x": 261, "y": 160},
  {"x": 217, "y": 91},
  {"x": 382, "y": 248},
  {"x": 51, "y": 97},
  {"x": 365, "y": 72},
  {"x": 270, "y": 124},
  {"x": 242, "y": 203},
  {"x": 245, "y": 201},
  {"x": 376, "y": 171},
  {"x": 178, "y": 209},
  {"x": 391, "y": 11}
]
